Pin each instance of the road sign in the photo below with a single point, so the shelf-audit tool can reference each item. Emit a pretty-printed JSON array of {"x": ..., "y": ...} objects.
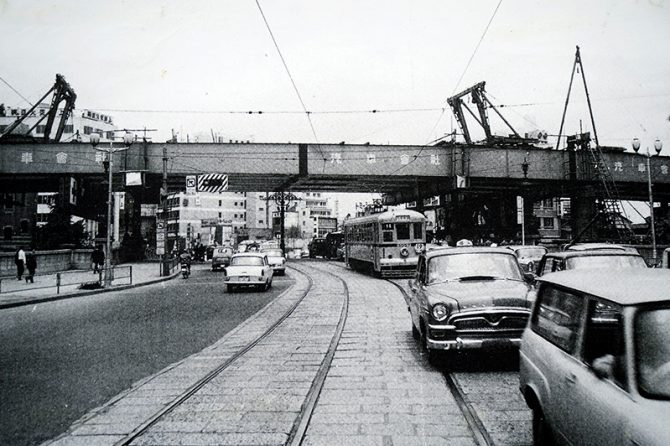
[
  {"x": 191, "y": 183},
  {"x": 212, "y": 182},
  {"x": 160, "y": 236},
  {"x": 519, "y": 210},
  {"x": 160, "y": 225}
]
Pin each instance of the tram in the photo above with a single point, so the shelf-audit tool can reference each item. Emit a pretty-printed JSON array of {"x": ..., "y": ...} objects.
[{"x": 386, "y": 244}]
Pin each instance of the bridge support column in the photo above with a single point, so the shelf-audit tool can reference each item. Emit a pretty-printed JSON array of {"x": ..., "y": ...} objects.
[{"x": 583, "y": 210}]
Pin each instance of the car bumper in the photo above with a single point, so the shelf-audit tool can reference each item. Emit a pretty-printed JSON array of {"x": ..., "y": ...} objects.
[
  {"x": 279, "y": 268},
  {"x": 252, "y": 281},
  {"x": 447, "y": 337}
]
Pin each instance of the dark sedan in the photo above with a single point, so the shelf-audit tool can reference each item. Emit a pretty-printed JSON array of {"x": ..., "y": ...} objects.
[{"x": 469, "y": 298}]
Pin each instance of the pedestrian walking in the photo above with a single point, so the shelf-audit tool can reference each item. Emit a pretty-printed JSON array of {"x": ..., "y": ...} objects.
[
  {"x": 31, "y": 264},
  {"x": 97, "y": 259},
  {"x": 20, "y": 260}
]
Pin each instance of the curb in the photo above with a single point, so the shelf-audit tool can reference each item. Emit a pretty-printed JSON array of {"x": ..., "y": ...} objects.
[{"x": 39, "y": 300}]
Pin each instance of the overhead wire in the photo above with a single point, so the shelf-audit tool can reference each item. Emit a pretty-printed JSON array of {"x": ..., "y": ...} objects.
[
  {"x": 467, "y": 66},
  {"x": 15, "y": 91},
  {"x": 288, "y": 72}
]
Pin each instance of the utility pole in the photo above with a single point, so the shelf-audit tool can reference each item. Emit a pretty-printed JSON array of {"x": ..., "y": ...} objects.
[{"x": 164, "y": 196}]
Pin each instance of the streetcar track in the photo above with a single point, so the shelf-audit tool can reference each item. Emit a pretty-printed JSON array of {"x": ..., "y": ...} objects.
[
  {"x": 481, "y": 435},
  {"x": 301, "y": 424}
]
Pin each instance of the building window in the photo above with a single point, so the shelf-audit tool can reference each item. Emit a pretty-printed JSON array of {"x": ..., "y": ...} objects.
[
  {"x": 220, "y": 204},
  {"x": 88, "y": 130},
  {"x": 110, "y": 135},
  {"x": 260, "y": 209},
  {"x": 260, "y": 222},
  {"x": 220, "y": 215},
  {"x": 547, "y": 223},
  {"x": 69, "y": 128}
]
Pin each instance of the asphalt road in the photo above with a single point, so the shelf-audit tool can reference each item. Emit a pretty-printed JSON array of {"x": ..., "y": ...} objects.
[{"x": 60, "y": 359}]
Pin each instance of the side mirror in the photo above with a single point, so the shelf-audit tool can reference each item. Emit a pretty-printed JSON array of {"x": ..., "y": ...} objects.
[{"x": 603, "y": 367}]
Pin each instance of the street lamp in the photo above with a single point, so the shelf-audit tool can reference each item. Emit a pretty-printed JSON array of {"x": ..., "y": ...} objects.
[
  {"x": 658, "y": 146},
  {"x": 94, "y": 139}
]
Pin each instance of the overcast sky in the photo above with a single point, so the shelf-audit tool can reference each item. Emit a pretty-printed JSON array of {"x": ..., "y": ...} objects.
[{"x": 186, "y": 65}]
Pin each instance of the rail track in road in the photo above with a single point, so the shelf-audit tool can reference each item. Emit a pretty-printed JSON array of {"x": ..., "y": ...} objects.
[
  {"x": 301, "y": 422},
  {"x": 503, "y": 386}
]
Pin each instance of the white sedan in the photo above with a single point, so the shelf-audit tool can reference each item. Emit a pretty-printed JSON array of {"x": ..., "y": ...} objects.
[
  {"x": 249, "y": 269},
  {"x": 277, "y": 260}
]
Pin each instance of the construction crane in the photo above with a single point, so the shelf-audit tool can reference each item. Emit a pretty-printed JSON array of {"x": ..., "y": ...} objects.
[
  {"x": 609, "y": 214},
  {"x": 62, "y": 92},
  {"x": 478, "y": 96}
]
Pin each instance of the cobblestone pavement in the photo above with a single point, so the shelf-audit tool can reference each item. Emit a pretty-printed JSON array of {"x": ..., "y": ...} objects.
[{"x": 379, "y": 389}]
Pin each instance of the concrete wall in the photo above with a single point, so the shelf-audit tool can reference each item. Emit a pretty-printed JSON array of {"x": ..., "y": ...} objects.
[{"x": 49, "y": 261}]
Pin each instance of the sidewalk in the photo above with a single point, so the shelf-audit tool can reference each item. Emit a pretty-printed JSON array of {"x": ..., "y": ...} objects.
[{"x": 15, "y": 292}]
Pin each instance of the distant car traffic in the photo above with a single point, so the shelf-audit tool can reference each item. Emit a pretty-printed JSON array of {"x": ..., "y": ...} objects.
[
  {"x": 529, "y": 255},
  {"x": 221, "y": 257},
  {"x": 277, "y": 260},
  {"x": 470, "y": 297},
  {"x": 249, "y": 269},
  {"x": 589, "y": 259},
  {"x": 595, "y": 358}
]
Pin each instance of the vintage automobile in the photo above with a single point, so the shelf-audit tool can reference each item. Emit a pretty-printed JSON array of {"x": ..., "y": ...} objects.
[
  {"x": 249, "y": 269},
  {"x": 589, "y": 259},
  {"x": 221, "y": 257},
  {"x": 469, "y": 297},
  {"x": 528, "y": 255},
  {"x": 318, "y": 247},
  {"x": 595, "y": 359},
  {"x": 598, "y": 247},
  {"x": 277, "y": 260}
]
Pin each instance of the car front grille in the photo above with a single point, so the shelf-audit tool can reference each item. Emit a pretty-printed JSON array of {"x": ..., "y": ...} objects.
[{"x": 490, "y": 322}]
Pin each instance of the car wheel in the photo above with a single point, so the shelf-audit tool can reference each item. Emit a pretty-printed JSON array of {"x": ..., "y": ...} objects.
[
  {"x": 229, "y": 288},
  {"x": 415, "y": 333},
  {"x": 541, "y": 431},
  {"x": 432, "y": 354}
]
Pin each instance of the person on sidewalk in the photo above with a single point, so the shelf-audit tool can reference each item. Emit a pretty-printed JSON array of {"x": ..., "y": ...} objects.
[
  {"x": 97, "y": 258},
  {"x": 31, "y": 264},
  {"x": 20, "y": 260}
]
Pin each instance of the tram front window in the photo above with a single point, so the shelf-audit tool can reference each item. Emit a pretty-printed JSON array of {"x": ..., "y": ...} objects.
[
  {"x": 402, "y": 231},
  {"x": 387, "y": 232},
  {"x": 418, "y": 231}
]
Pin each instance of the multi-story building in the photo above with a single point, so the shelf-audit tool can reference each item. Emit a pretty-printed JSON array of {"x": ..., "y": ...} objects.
[
  {"x": 79, "y": 126},
  {"x": 312, "y": 214},
  {"x": 194, "y": 218}
]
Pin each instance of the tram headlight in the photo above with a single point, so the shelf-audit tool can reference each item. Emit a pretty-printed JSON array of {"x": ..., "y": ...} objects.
[
  {"x": 440, "y": 312},
  {"x": 418, "y": 248},
  {"x": 404, "y": 252}
]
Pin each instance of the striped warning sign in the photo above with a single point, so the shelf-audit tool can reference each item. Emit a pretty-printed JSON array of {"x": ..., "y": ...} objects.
[{"x": 212, "y": 182}]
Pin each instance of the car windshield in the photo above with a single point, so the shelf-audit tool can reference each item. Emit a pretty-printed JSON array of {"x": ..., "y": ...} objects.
[
  {"x": 246, "y": 261},
  {"x": 609, "y": 261},
  {"x": 652, "y": 341},
  {"x": 473, "y": 265},
  {"x": 530, "y": 253},
  {"x": 224, "y": 251},
  {"x": 273, "y": 252}
]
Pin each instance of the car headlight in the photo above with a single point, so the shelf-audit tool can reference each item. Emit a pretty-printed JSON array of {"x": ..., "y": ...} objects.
[{"x": 440, "y": 312}]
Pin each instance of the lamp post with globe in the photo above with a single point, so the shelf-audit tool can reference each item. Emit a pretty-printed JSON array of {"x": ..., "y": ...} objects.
[{"x": 658, "y": 146}]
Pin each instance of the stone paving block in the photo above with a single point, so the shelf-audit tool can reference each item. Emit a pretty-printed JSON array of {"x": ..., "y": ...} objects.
[
  {"x": 343, "y": 440},
  {"x": 433, "y": 441},
  {"x": 454, "y": 418},
  {"x": 446, "y": 428},
  {"x": 211, "y": 439},
  {"x": 88, "y": 440},
  {"x": 104, "y": 429},
  {"x": 193, "y": 426},
  {"x": 335, "y": 428},
  {"x": 340, "y": 408},
  {"x": 346, "y": 418},
  {"x": 388, "y": 429}
]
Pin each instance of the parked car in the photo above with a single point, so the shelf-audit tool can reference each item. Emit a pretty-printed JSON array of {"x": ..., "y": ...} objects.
[
  {"x": 249, "y": 269},
  {"x": 277, "y": 260},
  {"x": 221, "y": 257},
  {"x": 597, "y": 246},
  {"x": 528, "y": 255},
  {"x": 589, "y": 259},
  {"x": 595, "y": 358},
  {"x": 469, "y": 297}
]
